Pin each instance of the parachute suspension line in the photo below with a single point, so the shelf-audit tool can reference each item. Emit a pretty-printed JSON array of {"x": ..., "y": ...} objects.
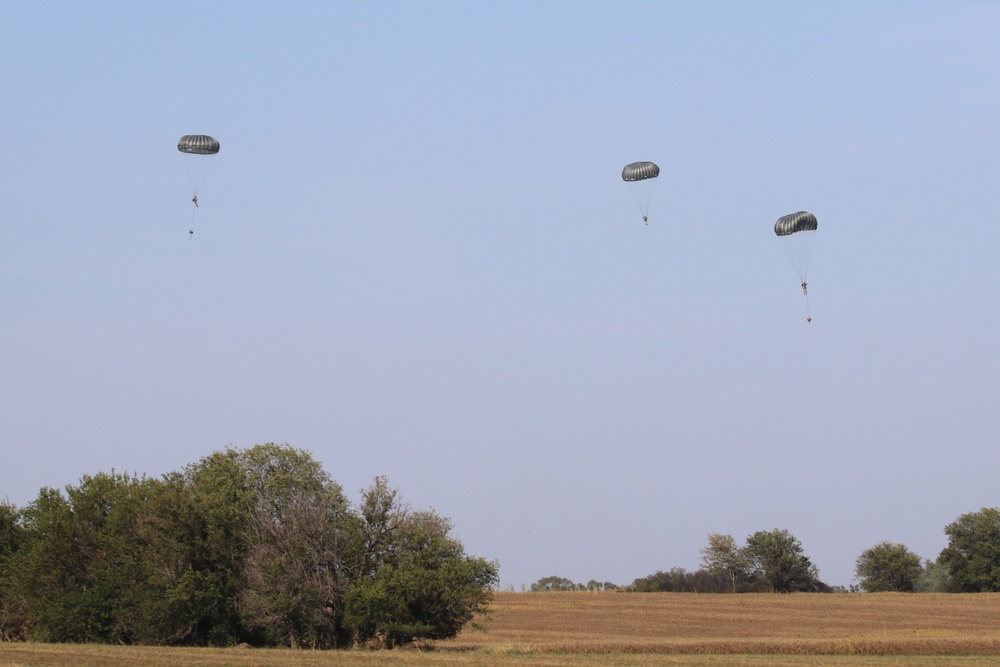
[
  {"x": 644, "y": 211},
  {"x": 198, "y": 171},
  {"x": 642, "y": 193},
  {"x": 802, "y": 278}
]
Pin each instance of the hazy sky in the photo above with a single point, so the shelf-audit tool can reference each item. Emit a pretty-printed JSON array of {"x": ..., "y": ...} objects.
[{"x": 415, "y": 257}]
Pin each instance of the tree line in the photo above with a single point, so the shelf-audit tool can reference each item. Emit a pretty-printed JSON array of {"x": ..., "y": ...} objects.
[
  {"x": 261, "y": 546},
  {"x": 256, "y": 546},
  {"x": 774, "y": 561}
]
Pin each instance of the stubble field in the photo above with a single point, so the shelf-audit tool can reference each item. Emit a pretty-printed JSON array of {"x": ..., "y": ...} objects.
[{"x": 614, "y": 629}]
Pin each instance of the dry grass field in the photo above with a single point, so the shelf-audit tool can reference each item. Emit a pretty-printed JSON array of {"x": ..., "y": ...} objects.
[
  {"x": 888, "y": 624},
  {"x": 613, "y": 629}
]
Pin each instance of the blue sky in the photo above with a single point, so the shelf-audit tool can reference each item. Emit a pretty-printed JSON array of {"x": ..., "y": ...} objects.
[{"x": 415, "y": 257}]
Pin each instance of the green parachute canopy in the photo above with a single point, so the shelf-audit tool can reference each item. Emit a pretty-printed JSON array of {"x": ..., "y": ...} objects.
[
  {"x": 803, "y": 221},
  {"x": 198, "y": 144}
]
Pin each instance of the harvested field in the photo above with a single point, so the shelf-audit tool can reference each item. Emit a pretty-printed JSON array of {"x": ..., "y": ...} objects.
[
  {"x": 616, "y": 629},
  {"x": 845, "y": 624}
]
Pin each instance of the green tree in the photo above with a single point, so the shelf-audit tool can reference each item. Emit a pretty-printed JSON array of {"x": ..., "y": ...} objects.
[
  {"x": 555, "y": 583},
  {"x": 415, "y": 580},
  {"x": 82, "y": 570},
  {"x": 679, "y": 580},
  {"x": 255, "y": 545},
  {"x": 724, "y": 559},
  {"x": 229, "y": 489},
  {"x": 972, "y": 556},
  {"x": 295, "y": 578},
  {"x": 888, "y": 567},
  {"x": 46, "y": 565},
  {"x": 221, "y": 491},
  {"x": 11, "y": 531},
  {"x": 13, "y": 615},
  {"x": 779, "y": 559}
]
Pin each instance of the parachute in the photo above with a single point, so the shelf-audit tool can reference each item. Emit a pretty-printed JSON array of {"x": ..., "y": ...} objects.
[
  {"x": 797, "y": 231},
  {"x": 198, "y": 144},
  {"x": 202, "y": 149},
  {"x": 641, "y": 177}
]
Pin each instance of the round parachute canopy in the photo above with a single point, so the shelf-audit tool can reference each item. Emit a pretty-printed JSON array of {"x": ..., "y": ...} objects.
[
  {"x": 640, "y": 171},
  {"x": 198, "y": 144},
  {"x": 803, "y": 221}
]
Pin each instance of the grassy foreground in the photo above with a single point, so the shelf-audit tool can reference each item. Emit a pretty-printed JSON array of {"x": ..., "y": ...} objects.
[{"x": 614, "y": 629}]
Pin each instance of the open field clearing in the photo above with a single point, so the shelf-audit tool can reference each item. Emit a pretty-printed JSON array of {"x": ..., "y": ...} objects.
[
  {"x": 692, "y": 623},
  {"x": 556, "y": 629}
]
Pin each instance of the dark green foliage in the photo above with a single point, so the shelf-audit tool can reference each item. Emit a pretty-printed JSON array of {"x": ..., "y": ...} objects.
[
  {"x": 972, "y": 556},
  {"x": 888, "y": 567},
  {"x": 554, "y": 583},
  {"x": 412, "y": 580},
  {"x": 770, "y": 561},
  {"x": 679, "y": 580},
  {"x": 778, "y": 558},
  {"x": 255, "y": 545},
  {"x": 82, "y": 569},
  {"x": 13, "y": 615},
  {"x": 11, "y": 531},
  {"x": 243, "y": 502}
]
